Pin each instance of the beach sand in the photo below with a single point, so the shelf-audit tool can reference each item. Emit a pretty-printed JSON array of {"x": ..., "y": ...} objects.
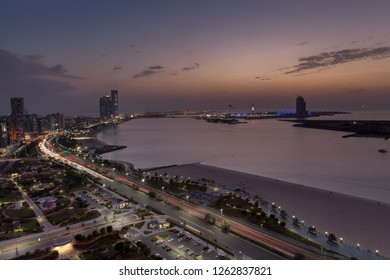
[
  {"x": 355, "y": 219},
  {"x": 91, "y": 142}
]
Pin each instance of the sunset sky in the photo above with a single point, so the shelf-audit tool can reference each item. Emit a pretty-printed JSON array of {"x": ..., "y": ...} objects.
[{"x": 61, "y": 56}]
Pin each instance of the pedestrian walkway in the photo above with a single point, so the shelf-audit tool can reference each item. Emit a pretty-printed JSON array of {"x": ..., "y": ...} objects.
[
  {"x": 340, "y": 247},
  {"x": 41, "y": 218}
]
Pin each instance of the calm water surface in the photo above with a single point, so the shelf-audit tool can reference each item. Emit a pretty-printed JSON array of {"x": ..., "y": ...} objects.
[{"x": 317, "y": 158}]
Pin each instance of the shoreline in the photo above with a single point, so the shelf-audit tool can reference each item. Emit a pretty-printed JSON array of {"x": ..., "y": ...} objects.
[
  {"x": 91, "y": 141},
  {"x": 355, "y": 219}
]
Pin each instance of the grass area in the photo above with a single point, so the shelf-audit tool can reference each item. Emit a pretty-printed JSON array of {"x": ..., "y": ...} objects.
[
  {"x": 65, "y": 218},
  {"x": 26, "y": 227},
  {"x": 40, "y": 255},
  {"x": 139, "y": 225},
  {"x": 58, "y": 218},
  {"x": 12, "y": 235},
  {"x": 113, "y": 247},
  {"x": 21, "y": 213},
  {"x": 74, "y": 219},
  {"x": 32, "y": 226},
  {"x": 9, "y": 193},
  {"x": 163, "y": 235},
  {"x": 12, "y": 197}
]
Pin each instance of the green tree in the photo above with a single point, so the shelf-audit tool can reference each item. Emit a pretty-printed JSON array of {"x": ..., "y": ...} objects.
[
  {"x": 225, "y": 226},
  {"x": 332, "y": 238},
  {"x": 209, "y": 218},
  {"x": 79, "y": 237},
  {"x": 119, "y": 246}
]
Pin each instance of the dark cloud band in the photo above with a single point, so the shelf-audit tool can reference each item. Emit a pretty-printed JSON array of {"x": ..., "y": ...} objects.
[
  {"x": 329, "y": 59},
  {"x": 152, "y": 70}
]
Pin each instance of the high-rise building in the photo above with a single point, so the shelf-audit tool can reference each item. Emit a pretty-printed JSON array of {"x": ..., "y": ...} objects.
[
  {"x": 17, "y": 106},
  {"x": 43, "y": 125},
  {"x": 114, "y": 102},
  {"x": 105, "y": 107},
  {"x": 31, "y": 123},
  {"x": 56, "y": 121},
  {"x": 301, "y": 107},
  {"x": 4, "y": 134}
]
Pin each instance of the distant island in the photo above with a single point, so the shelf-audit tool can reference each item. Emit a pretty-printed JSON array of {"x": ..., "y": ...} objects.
[
  {"x": 359, "y": 128},
  {"x": 242, "y": 117}
]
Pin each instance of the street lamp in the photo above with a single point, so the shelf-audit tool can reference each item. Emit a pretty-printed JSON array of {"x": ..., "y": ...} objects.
[
  {"x": 187, "y": 197},
  {"x": 221, "y": 211},
  {"x": 143, "y": 180}
]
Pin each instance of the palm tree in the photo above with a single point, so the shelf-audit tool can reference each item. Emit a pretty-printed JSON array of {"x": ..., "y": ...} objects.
[{"x": 332, "y": 238}]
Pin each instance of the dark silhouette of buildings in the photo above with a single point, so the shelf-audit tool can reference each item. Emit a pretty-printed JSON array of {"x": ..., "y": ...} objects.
[
  {"x": 105, "y": 106},
  {"x": 109, "y": 105},
  {"x": 114, "y": 102},
  {"x": 17, "y": 106},
  {"x": 301, "y": 107}
]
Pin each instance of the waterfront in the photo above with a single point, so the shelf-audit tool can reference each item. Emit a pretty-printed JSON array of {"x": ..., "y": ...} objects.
[
  {"x": 312, "y": 157},
  {"x": 328, "y": 164}
]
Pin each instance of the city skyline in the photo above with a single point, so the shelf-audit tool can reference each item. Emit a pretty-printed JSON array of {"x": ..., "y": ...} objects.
[{"x": 62, "y": 57}]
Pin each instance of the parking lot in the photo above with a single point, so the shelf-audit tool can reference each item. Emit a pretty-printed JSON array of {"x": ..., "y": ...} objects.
[
  {"x": 100, "y": 197},
  {"x": 174, "y": 244}
]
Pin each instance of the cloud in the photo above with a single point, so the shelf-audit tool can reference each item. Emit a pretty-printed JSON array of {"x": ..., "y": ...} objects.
[
  {"x": 34, "y": 58},
  {"x": 30, "y": 67},
  {"x": 103, "y": 55},
  {"x": 192, "y": 67},
  {"x": 27, "y": 76},
  {"x": 330, "y": 59},
  {"x": 58, "y": 69},
  {"x": 303, "y": 43},
  {"x": 150, "y": 71},
  {"x": 131, "y": 46},
  {"x": 262, "y": 78},
  {"x": 157, "y": 67},
  {"x": 116, "y": 68}
]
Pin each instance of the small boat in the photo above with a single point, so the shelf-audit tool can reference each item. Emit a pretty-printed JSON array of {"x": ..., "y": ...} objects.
[{"x": 382, "y": 151}]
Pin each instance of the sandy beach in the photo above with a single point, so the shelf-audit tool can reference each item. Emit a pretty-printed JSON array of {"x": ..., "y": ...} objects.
[{"x": 354, "y": 219}]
